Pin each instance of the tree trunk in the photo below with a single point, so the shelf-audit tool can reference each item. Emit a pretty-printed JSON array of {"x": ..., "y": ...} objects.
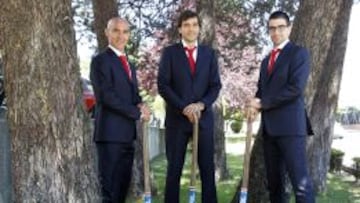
[
  {"x": 137, "y": 182},
  {"x": 327, "y": 44},
  {"x": 103, "y": 11},
  {"x": 221, "y": 169},
  {"x": 52, "y": 150},
  {"x": 321, "y": 26},
  {"x": 206, "y": 11}
]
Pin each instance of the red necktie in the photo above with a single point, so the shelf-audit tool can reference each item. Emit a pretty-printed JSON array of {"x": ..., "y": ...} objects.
[
  {"x": 125, "y": 64},
  {"x": 273, "y": 56},
  {"x": 191, "y": 59}
]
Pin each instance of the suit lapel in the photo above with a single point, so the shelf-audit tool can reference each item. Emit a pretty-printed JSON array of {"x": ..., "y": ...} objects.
[
  {"x": 263, "y": 70},
  {"x": 283, "y": 56},
  {"x": 199, "y": 59},
  {"x": 118, "y": 65},
  {"x": 183, "y": 59}
]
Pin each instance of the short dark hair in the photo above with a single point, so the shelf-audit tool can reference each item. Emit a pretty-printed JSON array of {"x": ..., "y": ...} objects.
[
  {"x": 187, "y": 14},
  {"x": 280, "y": 14}
]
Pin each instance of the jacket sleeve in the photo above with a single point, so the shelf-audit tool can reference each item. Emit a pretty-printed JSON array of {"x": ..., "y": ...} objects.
[
  {"x": 214, "y": 83},
  {"x": 258, "y": 91},
  {"x": 100, "y": 75},
  {"x": 138, "y": 98},
  {"x": 164, "y": 81},
  {"x": 299, "y": 73}
]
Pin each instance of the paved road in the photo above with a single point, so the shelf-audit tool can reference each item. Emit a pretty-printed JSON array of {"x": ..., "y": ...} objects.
[{"x": 349, "y": 143}]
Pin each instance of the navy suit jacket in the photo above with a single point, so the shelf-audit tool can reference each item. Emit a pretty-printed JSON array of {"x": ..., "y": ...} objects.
[
  {"x": 282, "y": 92},
  {"x": 117, "y": 98},
  {"x": 179, "y": 88}
]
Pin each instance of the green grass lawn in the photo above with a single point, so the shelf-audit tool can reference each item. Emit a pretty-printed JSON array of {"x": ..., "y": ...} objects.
[{"x": 341, "y": 189}]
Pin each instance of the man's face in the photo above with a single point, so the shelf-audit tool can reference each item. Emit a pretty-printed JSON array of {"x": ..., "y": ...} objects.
[
  {"x": 118, "y": 34},
  {"x": 189, "y": 30},
  {"x": 279, "y": 30}
]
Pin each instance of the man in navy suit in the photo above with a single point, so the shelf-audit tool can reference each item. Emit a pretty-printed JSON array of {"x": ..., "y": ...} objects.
[
  {"x": 284, "y": 123},
  {"x": 118, "y": 106},
  {"x": 189, "y": 82}
]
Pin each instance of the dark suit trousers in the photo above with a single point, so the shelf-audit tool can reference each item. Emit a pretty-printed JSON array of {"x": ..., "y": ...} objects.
[
  {"x": 115, "y": 169},
  {"x": 176, "y": 143},
  {"x": 287, "y": 153}
]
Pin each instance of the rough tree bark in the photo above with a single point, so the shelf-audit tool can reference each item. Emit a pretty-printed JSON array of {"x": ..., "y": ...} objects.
[
  {"x": 52, "y": 151},
  {"x": 322, "y": 26},
  {"x": 103, "y": 11}
]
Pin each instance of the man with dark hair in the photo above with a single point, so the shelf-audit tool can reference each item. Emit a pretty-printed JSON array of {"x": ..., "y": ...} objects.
[
  {"x": 284, "y": 122},
  {"x": 187, "y": 14},
  {"x": 118, "y": 106},
  {"x": 189, "y": 82}
]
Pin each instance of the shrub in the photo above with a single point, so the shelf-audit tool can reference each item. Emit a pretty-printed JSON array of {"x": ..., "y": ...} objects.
[
  {"x": 236, "y": 126},
  {"x": 336, "y": 160}
]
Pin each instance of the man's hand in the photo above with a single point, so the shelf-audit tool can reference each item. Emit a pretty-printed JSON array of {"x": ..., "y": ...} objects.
[
  {"x": 254, "y": 103},
  {"x": 253, "y": 107},
  {"x": 193, "y": 111},
  {"x": 145, "y": 112},
  {"x": 251, "y": 113}
]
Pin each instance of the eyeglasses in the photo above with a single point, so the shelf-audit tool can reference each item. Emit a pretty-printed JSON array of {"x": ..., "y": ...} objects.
[{"x": 280, "y": 28}]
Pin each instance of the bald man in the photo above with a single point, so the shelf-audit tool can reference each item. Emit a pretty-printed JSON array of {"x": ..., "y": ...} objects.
[{"x": 118, "y": 106}]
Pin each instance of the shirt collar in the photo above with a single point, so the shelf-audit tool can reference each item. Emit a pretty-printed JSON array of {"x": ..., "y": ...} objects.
[
  {"x": 117, "y": 51},
  {"x": 282, "y": 45},
  {"x": 185, "y": 45}
]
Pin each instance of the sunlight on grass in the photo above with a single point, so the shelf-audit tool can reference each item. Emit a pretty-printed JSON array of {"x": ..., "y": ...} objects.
[{"x": 340, "y": 190}]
